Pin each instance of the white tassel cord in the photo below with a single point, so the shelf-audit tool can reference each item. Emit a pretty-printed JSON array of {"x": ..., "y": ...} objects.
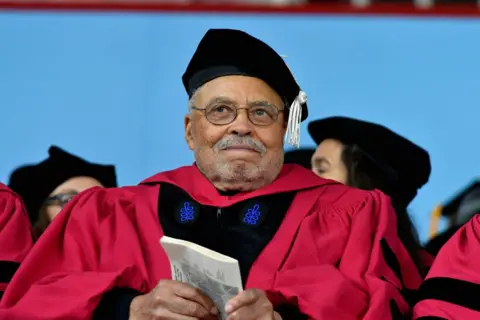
[
  {"x": 295, "y": 116},
  {"x": 294, "y": 119}
]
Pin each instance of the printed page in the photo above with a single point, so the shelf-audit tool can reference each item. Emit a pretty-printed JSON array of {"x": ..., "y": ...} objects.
[{"x": 220, "y": 280}]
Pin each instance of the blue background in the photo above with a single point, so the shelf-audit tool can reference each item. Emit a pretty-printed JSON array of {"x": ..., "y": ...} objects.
[{"x": 107, "y": 86}]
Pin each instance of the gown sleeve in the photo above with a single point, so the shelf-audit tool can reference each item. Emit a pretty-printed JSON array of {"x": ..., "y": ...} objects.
[
  {"x": 64, "y": 276},
  {"x": 15, "y": 235},
  {"x": 355, "y": 268},
  {"x": 452, "y": 288}
]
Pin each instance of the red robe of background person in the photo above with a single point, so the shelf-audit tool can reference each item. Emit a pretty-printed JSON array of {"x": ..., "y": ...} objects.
[
  {"x": 336, "y": 254},
  {"x": 15, "y": 235},
  {"x": 452, "y": 288}
]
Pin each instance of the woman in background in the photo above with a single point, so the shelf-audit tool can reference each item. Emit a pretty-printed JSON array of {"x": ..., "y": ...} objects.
[
  {"x": 368, "y": 156},
  {"x": 48, "y": 186}
]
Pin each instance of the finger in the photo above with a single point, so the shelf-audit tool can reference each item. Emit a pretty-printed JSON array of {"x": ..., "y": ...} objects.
[
  {"x": 244, "y": 298},
  {"x": 186, "y": 307},
  {"x": 247, "y": 312},
  {"x": 196, "y": 295},
  {"x": 277, "y": 316},
  {"x": 269, "y": 316},
  {"x": 165, "y": 314}
]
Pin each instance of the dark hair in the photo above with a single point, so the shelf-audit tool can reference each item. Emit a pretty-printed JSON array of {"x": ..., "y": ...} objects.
[
  {"x": 42, "y": 222},
  {"x": 364, "y": 173}
]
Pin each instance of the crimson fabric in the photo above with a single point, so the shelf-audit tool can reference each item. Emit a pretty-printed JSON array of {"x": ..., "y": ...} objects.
[
  {"x": 327, "y": 258},
  {"x": 15, "y": 235},
  {"x": 452, "y": 287},
  {"x": 427, "y": 258}
]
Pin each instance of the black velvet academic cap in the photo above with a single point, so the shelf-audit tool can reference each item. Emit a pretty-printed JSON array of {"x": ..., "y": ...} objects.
[
  {"x": 301, "y": 157},
  {"x": 34, "y": 183},
  {"x": 409, "y": 163},
  {"x": 224, "y": 52},
  {"x": 459, "y": 209},
  {"x": 462, "y": 206}
]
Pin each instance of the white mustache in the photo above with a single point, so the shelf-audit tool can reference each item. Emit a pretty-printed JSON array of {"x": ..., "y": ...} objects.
[{"x": 246, "y": 141}]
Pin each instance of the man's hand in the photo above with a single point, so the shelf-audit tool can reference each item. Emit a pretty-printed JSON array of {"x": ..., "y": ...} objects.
[
  {"x": 251, "y": 304},
  {"x": 174, "y": 301}
]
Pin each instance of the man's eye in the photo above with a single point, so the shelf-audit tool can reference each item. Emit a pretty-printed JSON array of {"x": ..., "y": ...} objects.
[{"x": 221, "y": 109}]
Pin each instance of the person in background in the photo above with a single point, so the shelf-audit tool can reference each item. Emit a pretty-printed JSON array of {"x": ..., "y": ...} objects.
[
  {"x": 15, "y": 235},
  {"x": 307, "y": 247},
  {"x": 459, "y": 210},
  {"x": 48, "y": 186},
  {"x": 452, "y": 285},
  {"x": 369, "y": 156},
  {"x": 302, "y": 157}
]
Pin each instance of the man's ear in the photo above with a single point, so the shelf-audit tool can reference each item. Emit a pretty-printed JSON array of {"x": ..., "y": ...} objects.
[
  {"x": 284, "y": 127},
  {"x": 188, "y": 131}
]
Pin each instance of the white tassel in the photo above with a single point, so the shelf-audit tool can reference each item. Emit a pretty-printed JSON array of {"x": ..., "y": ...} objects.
[
  {"x": 294, "y": 119},
  {"x": 295, "y": 116}
]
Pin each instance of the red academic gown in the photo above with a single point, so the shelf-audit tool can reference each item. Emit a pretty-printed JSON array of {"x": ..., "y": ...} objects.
[
  {"x": 452, "y": 287},
  {"x": 336, "y": 254},
  {"x": 426, "y": 259},
  {"x": 15, "y": 235}
]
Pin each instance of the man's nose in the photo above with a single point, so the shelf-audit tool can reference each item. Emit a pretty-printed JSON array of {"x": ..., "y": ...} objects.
[{"x": 242, "y": 126}]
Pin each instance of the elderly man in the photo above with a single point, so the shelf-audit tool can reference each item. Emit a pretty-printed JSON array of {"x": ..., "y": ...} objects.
[
  {"x": 317, "y": 249},
  {"x": 15, "y": 235}
]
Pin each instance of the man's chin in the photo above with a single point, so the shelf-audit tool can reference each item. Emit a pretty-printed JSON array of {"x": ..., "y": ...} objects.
[
  {"x": 239, "y": 155},
  {"x": 240, "y": 166}
]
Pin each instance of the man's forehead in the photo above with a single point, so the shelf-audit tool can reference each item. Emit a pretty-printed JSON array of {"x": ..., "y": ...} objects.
[
  {"x": 237, "y": 84},
  {"x": 244, "y": 101},
  {"x": 206, "y": 98}
]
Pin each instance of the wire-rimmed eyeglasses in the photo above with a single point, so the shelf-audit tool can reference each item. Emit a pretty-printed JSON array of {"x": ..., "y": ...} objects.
[
  {"x": 60, "y": 199},
  {"x": 222, "y": 114}
]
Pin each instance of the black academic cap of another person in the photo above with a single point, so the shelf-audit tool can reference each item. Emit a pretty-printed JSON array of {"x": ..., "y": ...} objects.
[
  {"x": 34, "y": 183},
  {"x": 406, "y": 163},
  {"x": 462, "y": 206},
  {"x": 224, "y": 52},
  {"x": 459, "y": 209},
  {"x": 301, "y": 157}
]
